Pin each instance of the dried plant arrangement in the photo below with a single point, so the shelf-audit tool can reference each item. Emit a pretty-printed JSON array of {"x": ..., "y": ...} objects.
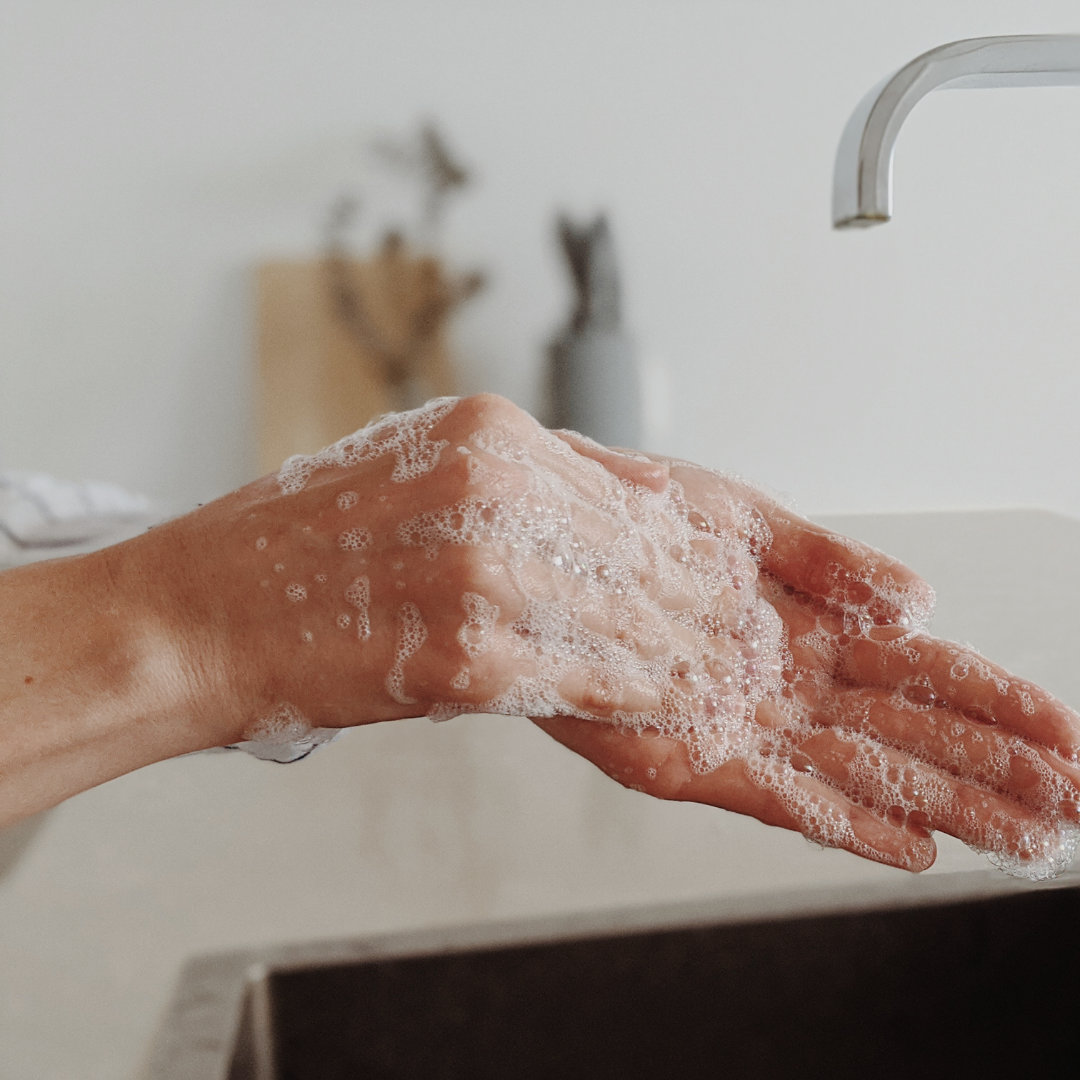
[
  {"x": 395, "y": 312},
  {"x": 354, "y": 334}
]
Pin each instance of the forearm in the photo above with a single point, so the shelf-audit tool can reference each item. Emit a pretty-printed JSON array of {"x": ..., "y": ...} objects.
[{"x": 91, "y": 686}]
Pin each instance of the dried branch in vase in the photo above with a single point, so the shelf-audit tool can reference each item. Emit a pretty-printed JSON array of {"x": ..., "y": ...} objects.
[{"x": 396, "y": 316}]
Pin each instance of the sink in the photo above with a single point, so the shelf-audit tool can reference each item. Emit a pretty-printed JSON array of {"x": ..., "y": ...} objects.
[{"x": 940, "y": 983}]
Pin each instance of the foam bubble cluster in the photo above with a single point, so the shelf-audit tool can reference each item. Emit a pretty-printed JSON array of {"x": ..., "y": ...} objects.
[
  {"x": 359, "y": 595},
  {"x": 285, "y": 735},
  {"x": 412, "y": 633},
  {"x": 355, "y": 539},
  {"x": 634, "y": 607},
  {"x": 405, "y": 435},
  {"x": 480, "y": 619}
]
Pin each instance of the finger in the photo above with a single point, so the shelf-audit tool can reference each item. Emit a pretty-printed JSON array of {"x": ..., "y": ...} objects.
[
  {"x": 826, "y": 563},
  {"x": 929, "y": 671},
  {"x": 891, "y": 783},
  {"x": 812, "y": 560},
  {"x": 777, "y": 794},
  {"x": 804, "y": 614},
  {"x": 973, "y": 752},
  {"x": 933, "y": 673},
  {"x": 820, "y": 640},
  {"x": 772, "y": 792},
  {"x": 628, "y": 467}
]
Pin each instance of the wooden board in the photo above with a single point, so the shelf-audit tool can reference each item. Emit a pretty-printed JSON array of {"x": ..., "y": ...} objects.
[{"x": 317, "y": 380}]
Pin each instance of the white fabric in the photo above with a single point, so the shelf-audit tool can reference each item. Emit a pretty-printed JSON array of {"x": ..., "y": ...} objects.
[{"x": 41, "y": 516}]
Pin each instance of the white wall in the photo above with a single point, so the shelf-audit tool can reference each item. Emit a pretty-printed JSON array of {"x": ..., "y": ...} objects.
[{"x": 151, "y": 154}]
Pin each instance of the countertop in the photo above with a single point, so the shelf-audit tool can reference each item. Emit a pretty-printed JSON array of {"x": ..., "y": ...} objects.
[{"x": 415, "y": 827}]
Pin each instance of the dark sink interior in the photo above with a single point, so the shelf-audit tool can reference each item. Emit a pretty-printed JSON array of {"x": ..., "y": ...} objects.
[{"x": 981, "y": 988}]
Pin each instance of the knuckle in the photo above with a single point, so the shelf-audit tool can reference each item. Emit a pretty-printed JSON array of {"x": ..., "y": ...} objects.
[
  {"x": 487, "y": 410},
  {"x": 597, "y": 699}
]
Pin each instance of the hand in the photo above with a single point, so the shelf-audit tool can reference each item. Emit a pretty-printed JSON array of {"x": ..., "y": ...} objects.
[
  {"x": 881, "y": 733},
  {"x": 421, "y": 567}
]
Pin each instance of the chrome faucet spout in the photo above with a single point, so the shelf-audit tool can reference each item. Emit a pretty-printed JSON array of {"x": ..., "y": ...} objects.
[{"x": 862, "y": 180}]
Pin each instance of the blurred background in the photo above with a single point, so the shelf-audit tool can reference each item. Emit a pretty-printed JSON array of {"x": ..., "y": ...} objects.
[{"x": 155, "y": 158}]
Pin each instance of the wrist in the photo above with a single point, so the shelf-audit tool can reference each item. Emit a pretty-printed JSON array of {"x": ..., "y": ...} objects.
[
  {"x": 172, "y": 641},
  {"x": 90, "y": 687}
]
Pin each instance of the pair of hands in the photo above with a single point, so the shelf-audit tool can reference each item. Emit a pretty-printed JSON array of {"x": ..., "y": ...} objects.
[{"x": 392, "y": 576}]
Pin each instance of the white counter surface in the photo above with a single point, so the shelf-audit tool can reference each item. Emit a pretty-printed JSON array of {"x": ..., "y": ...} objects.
[{"x": 412, "y": 825}]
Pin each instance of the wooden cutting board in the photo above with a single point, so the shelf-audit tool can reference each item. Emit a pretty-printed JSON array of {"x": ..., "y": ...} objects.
[{"x": 323, "y": 370}]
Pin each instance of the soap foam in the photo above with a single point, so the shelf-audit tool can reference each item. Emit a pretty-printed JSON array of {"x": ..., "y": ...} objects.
[
  {"x": 480, "y": 619},
  {"x": 359, "y": 595},
  {"x": 412, "y": 633},
  {"x": 355, "y": 539},
  {"x": 405, "y": 435},
  {"x": 285, "y": 735}
]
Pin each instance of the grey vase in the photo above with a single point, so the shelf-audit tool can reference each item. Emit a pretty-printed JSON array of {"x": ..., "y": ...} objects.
[{"x": 595, "y": 385}]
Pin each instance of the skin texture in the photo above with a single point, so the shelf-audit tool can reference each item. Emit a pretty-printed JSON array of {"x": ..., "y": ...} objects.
[{"x": 183, "y": 638}]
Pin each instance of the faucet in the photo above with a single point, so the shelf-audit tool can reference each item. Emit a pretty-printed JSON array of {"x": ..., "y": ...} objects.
[{"x": 862, "y": 179}]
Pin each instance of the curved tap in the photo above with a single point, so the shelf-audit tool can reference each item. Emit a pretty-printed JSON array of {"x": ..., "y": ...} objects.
[{"x": 862, "y": 180}]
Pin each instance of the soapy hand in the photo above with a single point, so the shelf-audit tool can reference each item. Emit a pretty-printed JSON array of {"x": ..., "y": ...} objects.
[
  {"x": 677, "y": 627},
  {"x": 881, "y": 732},
  {"x": 463, "y": 559}
]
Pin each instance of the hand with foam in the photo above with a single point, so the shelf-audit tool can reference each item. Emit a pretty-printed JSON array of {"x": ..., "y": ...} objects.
[
  {"x": 881, "y": 733},
  {"x": 459, "y": 559},
  {"x": 735, "y": 653}
]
